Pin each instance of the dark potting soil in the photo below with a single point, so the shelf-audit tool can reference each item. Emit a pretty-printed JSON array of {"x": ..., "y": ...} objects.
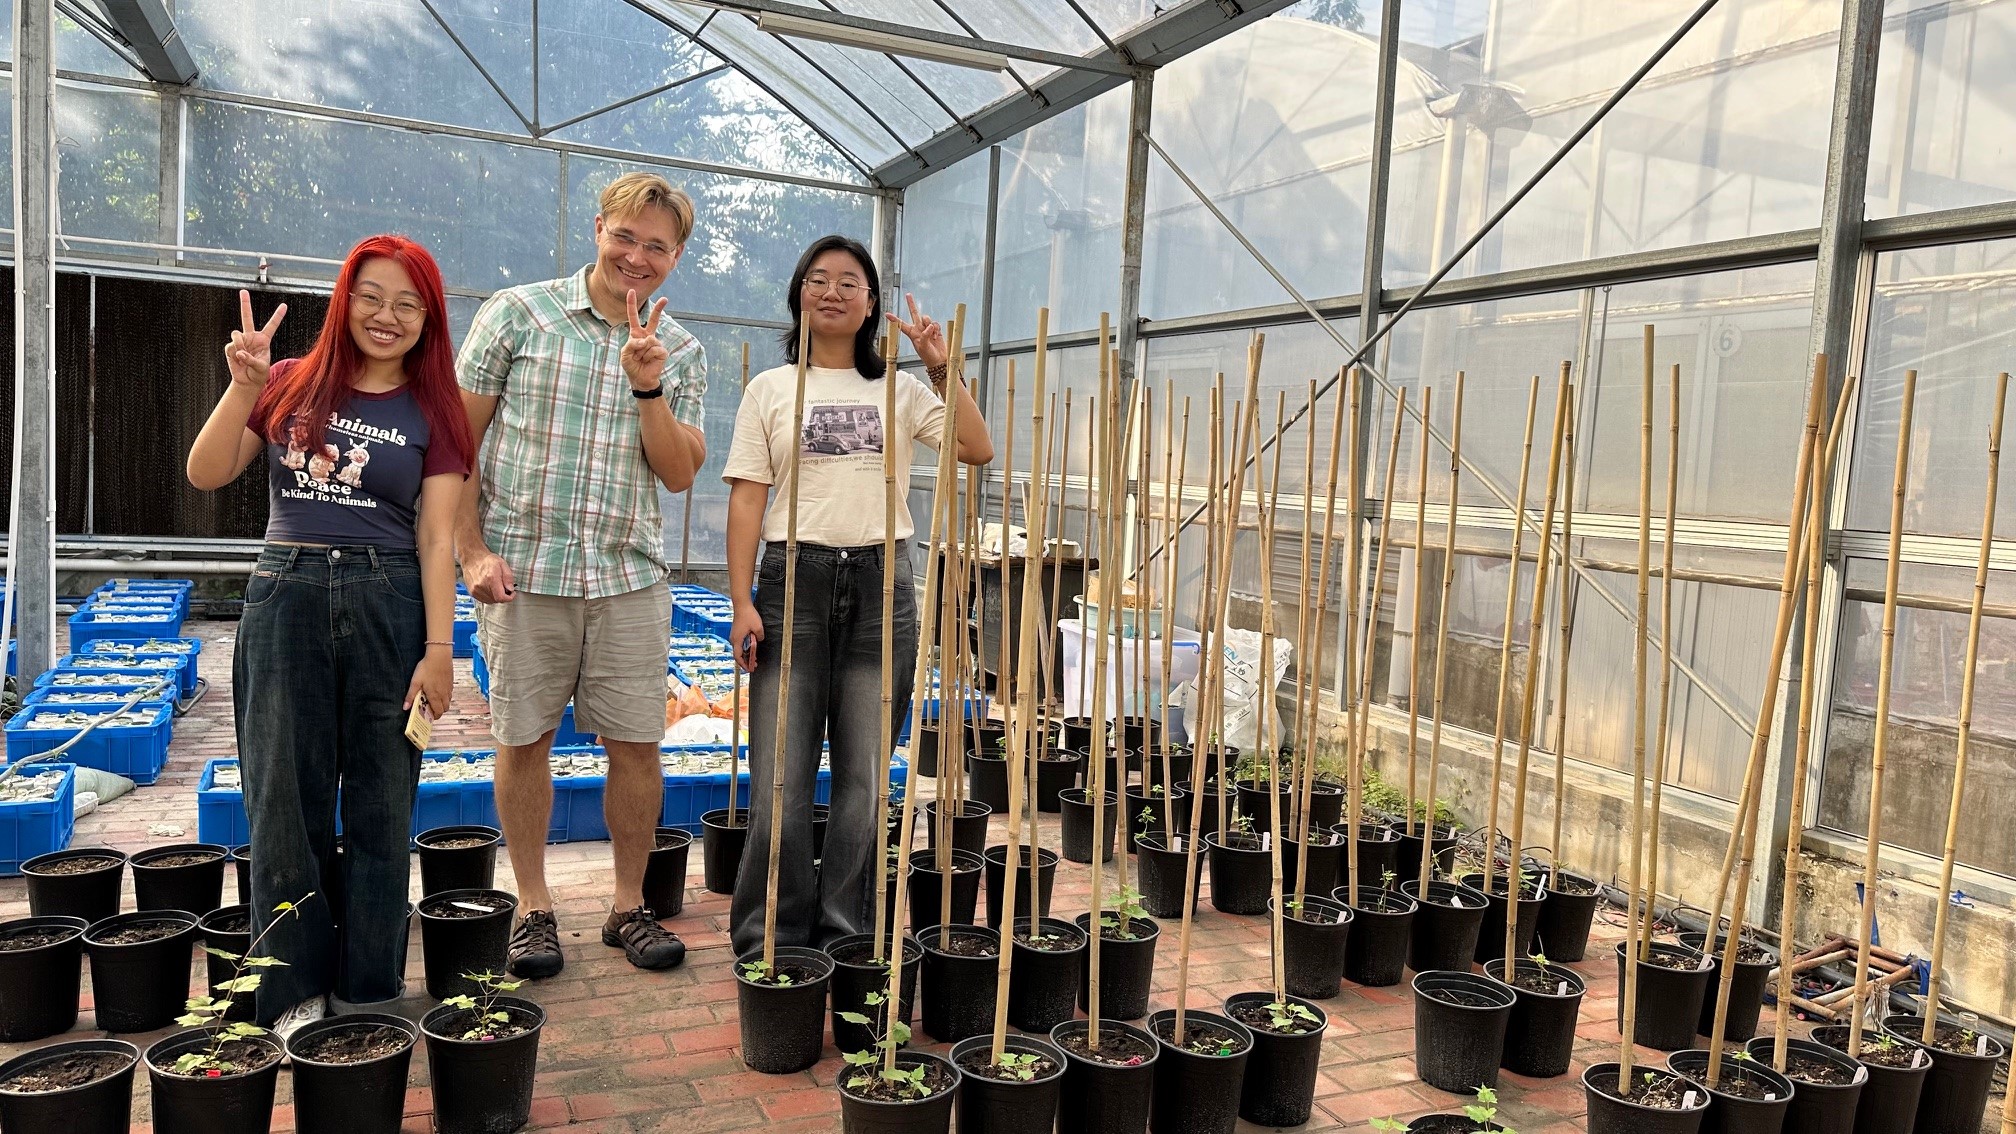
[
  {"x": 35, "y": 937},
  {"x": 1959, "y": 1041},
  {"x": 665, "y": 842},
  {"x": 76, "y": 866},
  {"x": 143, "y": 931},
  {"x": 1254, "y": 1014},
  {"x": 352, "y": 1045},
  {"x": 462, "y": 907},
  {"x": 785, "y": 976},
  {"x": 461, "y": 842},
  {"x": 66, "y": 1071},
  {"x": 1892, "y": 1054},
  {"x": 1380, "y": 903},
  {"x": 1199, "y": 1039},
  {"x": 1664, "y": 1092},
  {"x": 1113, "y": 929},
  {"x": 236, "y": 1057},
  {"x": 1055, "y": 757},
  {"x": 1679, "y": 962},
  {"x": 461, "y": 1024},
  {"x": 872, "y": 1086},
  {"x": 860, "y": 954},
  {"x": 1447, "y": 1124},
  {"x": 1117, "y": 1049},
  {"x": 1567, "y": 885},
  {"x": 1461, "y": 998},
  {"x": 978, "y": 1063},
  {"x": 966, "y": 945},
  {"x": 188, "y": 858},
  {"x": 1545, "y": 983},
  {"x": 1740, "y": 1086},
  {"x": 235, "y": 923},
  {"x": 1812, "y": 1069},
  {"x": 1048, "y": 942}
]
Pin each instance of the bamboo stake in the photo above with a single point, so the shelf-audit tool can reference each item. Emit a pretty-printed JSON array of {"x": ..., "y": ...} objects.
[
  {"x": 1172, "y": 497},
  {"x": 1816, "y": 535},
  {"x": 1085, "y": 643},
  {"x": 1001, "y": 660},
  {"x": 1371, "y": 631},
  {"x": 1100, "y": 736},
  {"x": 1135, "y": 421},
  {"x": 967, "y": 663},
  {"x": 1052, "y": 640},
  {"x": 780, "y": 739},
  {"x": 1348, "y": 687},
  {"x": 1663, "y": 728},
  {"x": 1628, "y": 1019},
  {"x": 1505, "y": 649},
  {"x": 1567, "y": 638},
  {"x": 736, "y": 742},
  {"x": 1414, "y": 635},
  {"x": 1442, "y": 635},
  {"x": 1316, "y": 663},
  {"x": 951, "y": 628},
  {"x": 1188, "y": 915},
  {"x": 1266, "y": 730},
  {"x": 1046, "y": 620},
  {"x": 1973, "y": 657},
  {"x": 878, "y": 941},
  {"x": 1535, "y": 628},
  {"x": 1307, "y": 646},
  {"x": 1885, "y": 666}
]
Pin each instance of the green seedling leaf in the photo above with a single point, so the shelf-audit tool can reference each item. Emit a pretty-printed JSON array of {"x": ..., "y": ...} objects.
[
  {"x": 222, "y": 953},
  {"x": 856, "y": 1018}
]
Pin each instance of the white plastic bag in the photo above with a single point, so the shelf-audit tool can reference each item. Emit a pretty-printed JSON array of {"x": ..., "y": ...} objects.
[{"x": 1243, "y": 687}]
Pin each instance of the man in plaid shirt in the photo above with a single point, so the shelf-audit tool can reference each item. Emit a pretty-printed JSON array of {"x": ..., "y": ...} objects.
[{"x": 581, "y": 406}]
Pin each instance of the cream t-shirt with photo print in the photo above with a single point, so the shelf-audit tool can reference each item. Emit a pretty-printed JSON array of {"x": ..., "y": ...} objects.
[{"x": 840, "y": 483}]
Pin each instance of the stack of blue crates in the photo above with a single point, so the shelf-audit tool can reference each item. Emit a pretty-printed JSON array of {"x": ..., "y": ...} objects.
[
  {"x": 465, "y": 626},
  {"x": 127, "y": 609},
  {"x": 189, "y": 651},
  {"x": 40, "y": 826}
]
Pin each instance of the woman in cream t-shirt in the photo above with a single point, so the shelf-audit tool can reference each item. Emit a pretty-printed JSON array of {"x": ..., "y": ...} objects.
[{"x": 836, "y": 665}]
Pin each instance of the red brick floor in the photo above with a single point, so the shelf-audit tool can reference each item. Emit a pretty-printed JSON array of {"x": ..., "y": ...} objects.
[{"x": 632, "y": 1052}]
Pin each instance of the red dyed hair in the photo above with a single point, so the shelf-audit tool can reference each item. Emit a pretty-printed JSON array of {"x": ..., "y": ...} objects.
[{"x": 319, "y": 384}]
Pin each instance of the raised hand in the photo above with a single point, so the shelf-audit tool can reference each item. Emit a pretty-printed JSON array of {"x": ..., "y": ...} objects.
[
  {"x": 249, "y": 354},
  {"x": 644, "y": 355},
  {"x": 924, "y": 333}
]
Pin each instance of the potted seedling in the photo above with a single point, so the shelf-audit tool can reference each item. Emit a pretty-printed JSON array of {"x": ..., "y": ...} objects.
[
  {"x": 1896, "y": 1071},
  {"x": 1540, "y": 1033},
  {"x": 350, "y": 1073},
  {"x": 482, "y": 1054},
  {"x": 1745, "y": 1095},
  {"x": 1480, "y": 1116},
  {"x": 724, "y": 833},
  {"x": 886, "y": 1091},
  {"x": 1963, "y": 1072},
  {"x": 1827, "y": 1084},
  {"x": 462, "y": 932}
]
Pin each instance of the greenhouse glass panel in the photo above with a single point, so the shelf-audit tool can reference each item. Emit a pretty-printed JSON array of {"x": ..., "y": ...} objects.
[
  {"x": 723, "y": 118},
  {"x": 110, "y": 141},
  {"x": 944, "y": 239},
  {"x": 1063, "y": 190},
  {"x": 1944, "y": 132},
  {"x": 1726, "y": 138},
  {"x": 723, "y": 344},
  {"x": 1948, "y": 313}
]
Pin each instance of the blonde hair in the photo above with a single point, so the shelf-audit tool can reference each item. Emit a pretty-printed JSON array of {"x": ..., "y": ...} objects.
[{"x": 632, "y": 193}]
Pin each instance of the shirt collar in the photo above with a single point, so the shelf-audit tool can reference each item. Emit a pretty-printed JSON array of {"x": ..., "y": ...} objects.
[{"x": 574, "y": 293}]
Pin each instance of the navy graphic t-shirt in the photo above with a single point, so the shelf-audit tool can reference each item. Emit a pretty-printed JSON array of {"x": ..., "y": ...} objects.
[{"x": 362, "y": 487}]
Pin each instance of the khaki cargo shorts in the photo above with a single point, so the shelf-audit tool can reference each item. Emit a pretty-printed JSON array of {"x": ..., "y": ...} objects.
[{"x": 607, "y": 655}]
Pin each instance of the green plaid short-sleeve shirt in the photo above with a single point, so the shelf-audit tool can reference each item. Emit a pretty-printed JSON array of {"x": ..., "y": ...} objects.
[{"x": 564, "y": 492}]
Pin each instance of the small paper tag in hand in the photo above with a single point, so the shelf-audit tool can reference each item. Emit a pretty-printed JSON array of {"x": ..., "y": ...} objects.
[{"x": 419, "y": 725}]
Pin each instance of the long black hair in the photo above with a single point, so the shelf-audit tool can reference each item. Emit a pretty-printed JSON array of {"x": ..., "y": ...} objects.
[{"x": 867, "y": 358}]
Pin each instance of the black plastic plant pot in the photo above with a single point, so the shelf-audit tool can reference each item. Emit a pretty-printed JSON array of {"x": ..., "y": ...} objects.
[
  {"x": 1180, "y": 762},
  {"x": 1242, "y": 873},
  {"x": 163, "y": 881},
  {"x": 990, "y": 1105},
  {"x": 969, "y": 827},
  {"x": 1126, "y": 969},
  {"x": 1197, "y": 1081},
  {"x": 1313, "y": 941},
  {"x": 665, "y": 872},
  {"x": 138, "y": 986},
  {"x": 1207, "y": 818},
  {"x": 1076, "y": 805},
  {"x": 82, "y": 882},
  {"x": 783, "y": 1025},
  {"x": 857, "y": 975},
  {"x": 1280, "y": 1083},
  {"x": 1382, "y": 929},
  {"x": 41, "y": 968},
  {"x": 1074, "y": 733},
  {"x": 721, "y": 848},
  {"x": 482, "y": 1085},
  {"x": 1460, "y": 1020},
  {"x": 457, "y": 936},
  {"x": 1056, "y": 771},
  {"x": 236, "y": 1102},
  {"x": 241, "y": 865},
  {"x": 1540, "y": 1035},
  {"x": 1446, "y": 922},
  {"x": 1326, "y": 861},
  {"x": 987, "y": 779},
  {"x": 1737, "y": 1113},
  {"x": 1669, "y": 999},
  {"x": 1378, "y": 852},
  {"x": 100, "y": 1105},
  {"x": 1566, "y": 915},
  {"x": 931, "y": 1114},
  {"x": 1491, "y": 937},
  {"x": 1446, "y": 840},
  {"x": 1817, "y": 1108},
  {"x": 960, "y": 977},
  {"x": 924, "y": 747},
  {"x": 927, "y": 891},
  {"x": 457, "y": 858},
  {"x": 1040, "y": 879},
  {"x": 220, "y": 931},
  {"x": 1162, "y": 876},
  {"x": 1956, "y": 1089},
  {"x": 1099, "y": 1097},
  {"x": 1141, "y": 734},
  {"x": 1609, "y": 1113},
  {"x": 820, "y": 815},
  {"x": 1746, "y": 989},
  {"x": 1257, "y": 802},
  {"x": 1326, "y": 805},
  {"x": 1890, "y": 1097},
  {"x": 1139, "y": 800},
  {"x": 1043, "y": 985},
  {"x": 360, "y": 1096}
]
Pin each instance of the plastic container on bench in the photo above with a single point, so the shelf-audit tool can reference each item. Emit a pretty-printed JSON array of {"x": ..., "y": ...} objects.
[
  {"x": 136, "y": 749},
  {"x": 32, "y": 827},
  {"x": 188, "y": 650},
  {"x": 91, "y": 625}
]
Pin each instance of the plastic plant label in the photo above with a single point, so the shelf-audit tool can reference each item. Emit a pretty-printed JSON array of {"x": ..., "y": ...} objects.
[
  {"x": 1561, "y": 989},
  {"x": 1688, "y": 1102},
  {"x": 1770, "y": 1096},
  {"x": 1980, "y": 1045},
  {"x": 472, "y": 906}
]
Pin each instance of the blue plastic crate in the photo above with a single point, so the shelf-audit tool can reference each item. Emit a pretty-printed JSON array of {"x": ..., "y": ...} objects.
[
  {"x": 85, "y": 627},
  {"x": 137, "y": 752},
  {"x": 29, "y": 829},
  {"x": 479, "y": 669},
  {"x": 172, "y": 668},
  {"x": 152, "y": 649},
  {"x": 691, "y": 795},
  {"x": 220, "y": 812},
  {"x": 567, "y": 736},
  {"x": 68, "y": 697},
  {"x": 465, "y": 637},
  {"x": 180, "y": 590}
]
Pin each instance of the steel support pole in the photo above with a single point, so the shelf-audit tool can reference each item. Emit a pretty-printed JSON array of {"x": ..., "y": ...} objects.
[
  {"x": 1133, "y": 229},
  {"x": 32, "y": 518},
  {"x": 987, "y": 246},
  {"x": 888, "y": 217}
]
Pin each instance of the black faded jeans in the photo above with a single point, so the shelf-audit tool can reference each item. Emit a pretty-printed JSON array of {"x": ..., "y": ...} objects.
[
  {"x": 325, "y": 652},
  {"x": 836, "y": 696}
]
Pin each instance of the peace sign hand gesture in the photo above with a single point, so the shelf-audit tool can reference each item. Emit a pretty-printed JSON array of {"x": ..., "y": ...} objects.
[
  {"x": 924, "y": 333},
  {"x": 644, "y": 355},
  {"x": 249, "y": 354}
]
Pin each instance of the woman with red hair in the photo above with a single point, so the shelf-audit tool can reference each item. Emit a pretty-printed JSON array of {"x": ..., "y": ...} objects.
[{"x": 349, "y": 615}]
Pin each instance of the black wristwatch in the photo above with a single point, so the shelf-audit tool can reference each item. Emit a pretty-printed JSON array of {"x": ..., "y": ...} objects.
[{"x": 657, "y": 391}]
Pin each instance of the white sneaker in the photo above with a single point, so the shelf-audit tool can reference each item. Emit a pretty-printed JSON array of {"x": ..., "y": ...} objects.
[{"x": 299, "y": 1016}]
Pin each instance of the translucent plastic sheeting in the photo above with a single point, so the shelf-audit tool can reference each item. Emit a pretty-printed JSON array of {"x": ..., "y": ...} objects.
[
  {"x": 1944, "y": 134},
  {"x": 944, "y": 238},
  {"x": 110, "y": 141},
  {"x": 1063, "y": 192}
]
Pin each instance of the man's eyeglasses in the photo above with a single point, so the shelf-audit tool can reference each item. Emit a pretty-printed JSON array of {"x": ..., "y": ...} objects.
[
  {"x": 627, "y": 243},
  {"x": 847, "y": 289},
  {"x": 404, "y": 310}
]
